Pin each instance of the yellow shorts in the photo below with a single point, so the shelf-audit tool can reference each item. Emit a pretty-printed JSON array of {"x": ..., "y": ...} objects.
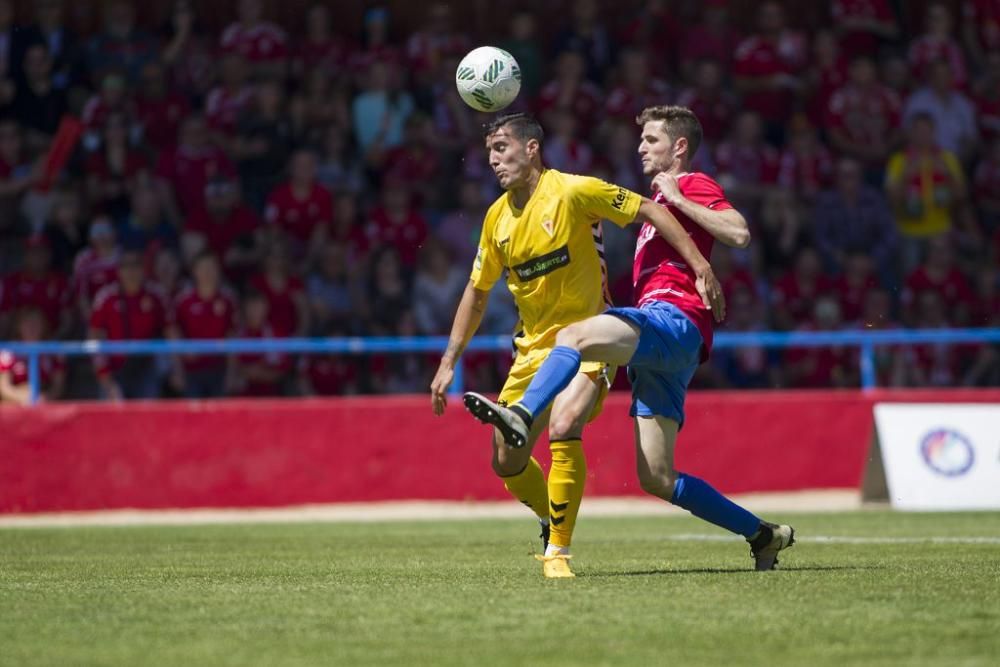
[{"x": 526, "y": 365}]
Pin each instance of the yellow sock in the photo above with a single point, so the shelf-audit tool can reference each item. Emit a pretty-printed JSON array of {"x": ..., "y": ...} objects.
[
  {"x": 528, "y": 486},
  {"x": 567, "y": 477}
]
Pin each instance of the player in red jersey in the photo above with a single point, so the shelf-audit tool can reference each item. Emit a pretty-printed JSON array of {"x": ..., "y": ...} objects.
[
  {"x": 664, "y": 338},
  {"x": 206, "y": 310}
]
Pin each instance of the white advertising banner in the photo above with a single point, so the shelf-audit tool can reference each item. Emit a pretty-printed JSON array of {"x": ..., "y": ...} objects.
[{"x": 940, "y": 456}]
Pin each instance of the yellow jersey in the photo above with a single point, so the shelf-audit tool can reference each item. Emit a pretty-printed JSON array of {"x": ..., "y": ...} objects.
[{"x": 553, "y": 252}]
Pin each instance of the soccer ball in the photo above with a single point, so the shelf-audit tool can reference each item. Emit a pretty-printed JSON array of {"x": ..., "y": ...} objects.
[{"x": 488, "y": 78}]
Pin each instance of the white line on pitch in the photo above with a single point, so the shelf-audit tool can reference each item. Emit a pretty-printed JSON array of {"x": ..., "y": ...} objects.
[{"x": 844, "y": 539}]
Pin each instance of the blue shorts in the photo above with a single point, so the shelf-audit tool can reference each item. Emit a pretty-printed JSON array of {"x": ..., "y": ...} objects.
[{"x": 665, "y": 360}]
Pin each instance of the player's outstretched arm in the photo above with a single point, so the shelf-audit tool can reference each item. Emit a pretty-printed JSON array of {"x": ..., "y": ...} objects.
[
  {"x": 728, "y": 226},
  {"x": 667, "y": 226},
  {"x": 467, "y": 319}
]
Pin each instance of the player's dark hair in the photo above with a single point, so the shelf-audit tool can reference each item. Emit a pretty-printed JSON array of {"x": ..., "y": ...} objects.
[
  {"x": 522, "y": 126},
  {"x": 677, "y": 122}
]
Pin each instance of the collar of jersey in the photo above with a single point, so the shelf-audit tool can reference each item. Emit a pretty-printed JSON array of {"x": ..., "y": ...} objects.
[{"x": 538, "y": 186}]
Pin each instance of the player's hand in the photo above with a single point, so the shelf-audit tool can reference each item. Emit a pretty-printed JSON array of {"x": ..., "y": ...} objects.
[
  {"x": 667, "y": 185},
  {"x": 711, "y": 292},
  {"x": 439, "y": 387}
]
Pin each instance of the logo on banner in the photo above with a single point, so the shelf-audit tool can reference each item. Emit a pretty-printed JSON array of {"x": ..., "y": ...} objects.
[{"x": 947, "y": 452}]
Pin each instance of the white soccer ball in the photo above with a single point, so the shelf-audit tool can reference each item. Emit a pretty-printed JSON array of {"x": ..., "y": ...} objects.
[{"x": 488, "y": 78}]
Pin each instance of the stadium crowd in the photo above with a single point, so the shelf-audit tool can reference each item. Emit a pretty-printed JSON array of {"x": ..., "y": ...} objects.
[{"x": 321, "y": 178}]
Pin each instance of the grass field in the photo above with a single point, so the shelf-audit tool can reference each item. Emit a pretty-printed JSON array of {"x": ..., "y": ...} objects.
[{"x": 649, "y": 592}]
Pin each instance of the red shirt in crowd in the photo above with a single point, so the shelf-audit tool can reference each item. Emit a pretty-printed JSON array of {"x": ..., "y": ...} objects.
[
  {"x": 748, "y": 164},
  {"x": 928, "y": 49},
  {"x": 223, "y": 234},
  {"x": 659, "y": 273},
  {"x": 282, "y": 312},
  {"x": 96, "y": 111},
  {"x": 985, "y": 15},
  {"x": 198, "y": 317},
  {"x": 299, "y": 217},
  {"x": 988, "y": 112},
  {"x": 952, "y": 287},
  {"x": 866, "y": 116},
  {"x": 120, "y": 316},
  {"x": 91, "y": 273},
  {"x": 715, "y": 115},
  {"x": 330, "y": 54},
  {"x": 585, "y": 101},
  {"x": 856, "y": 42},
  {"x": 796, "y": 297},
  {"x": 223, "y": 107},
  {"x": 277, "y": 361},
  {"x": 806, "y": 174},
  {"x": 17, "y": 367},
  {"x": 189, "y": 171},
  {"x": 330, "y": 375},
  {"x": 852, "y": 293},
  {"x": 757, "y": 58},
  {"x": 986, "y": 182},
  {"x": 407, "y": 235},
  {"x": 625, "y": 104},
  {"x": 260, "y": 43},
  {"x": 50, "y": 294},
  {"x": 161, "y": 118}
]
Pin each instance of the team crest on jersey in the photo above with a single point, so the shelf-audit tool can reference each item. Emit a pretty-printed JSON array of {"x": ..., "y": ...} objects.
[{"x": 549, "y": 227}]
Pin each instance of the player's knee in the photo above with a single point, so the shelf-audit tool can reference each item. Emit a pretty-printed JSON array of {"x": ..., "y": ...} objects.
[
  {"x": 571, "y": 336},
  {"x": 659, "y": 484}
]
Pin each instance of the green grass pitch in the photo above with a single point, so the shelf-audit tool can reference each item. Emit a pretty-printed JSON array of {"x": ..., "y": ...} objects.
[{"x": 467, "y": 593}]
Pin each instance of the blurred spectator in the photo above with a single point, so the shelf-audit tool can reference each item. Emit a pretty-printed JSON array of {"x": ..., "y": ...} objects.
[
  {"x": 564, "y": 149},
  {"x": 112, "y": 169},
  {"x": 926, "y": 187},
  {"x": 416, "y": 161},
  {"x": 981, "y": 28},
  {"x": 301, "y": 208},
  {"x": 30, "y": 327},
  {"x": 145, "y": 227},
  {"x": 376, "y": 44},
  {"x": 333, "y": 292},
  {"x": 639, "y": 86},
  {"x": 226, "y": 227},
  {"x": 826, "y": 73},
  {"x": 768, "y": 67},
  {"x": 437, "y": 40},
  {"x": 931, "y": 364},
  {"x": 862, "y": 25},
  {"x": 854, "y": 217},
  {"x": 38, "y": 105},
  {"x": 349, "y": 230},
  {"x": 189, "y": 53},
  {"x": 322, "y": 101},
  {"x": 167, "y": 271},
  {"x": 937, "y": 44},
  {"x": 587, "y": 35},
  {"x": 287, "y": 306},
  {"x": 17, "y": 174},
  {"x": 204, "y": 310},
  {"x": 570, "y": 91},
  {"x": 36, "y": 286},
  {"x": 816, "y": 367},
  {"x": 258, "y": 373},
  {"x": 938, "y": 274},
  {"x": 159, "y": 109},
  {"x": 747, "y": 166},
  {"x": 389, "y": 295},
  {"x": 112, "y": 98},
  {"x": 795, "y": 293},
  {"x": 97, "y": 265},
  {"x": 338, "y": 168},
  {"x": 184, "y": 171},
  {"x": 261, "y": 43},
  {"x": 380, "y": 111},
  {"x": 227, "y": 101},
  {"x": 986, "y": 188},
  {"x": 710, "y": 100},
  {"x": 329, "y": 375},
  {"x": 806, "y": 165},
  {"x": 953, "y": 114},
  {"x": 710, "y": 39},
  {"x": 263, "y": 142},
  {"x": 854, "y": 284},
  {"x": 987, "y": 98},
  {"x": 128, "y": 309},
  {"x": 63, "y": 45},
  {"x": 619, "y": 156},
  {"x": 522, "y": 43},
  {"x": 863, "y": 116},
  {"x": 437, "y": 288},
  {"x": 746, "y": 367},
  {"x": 396, "y": 223},
  {"x": 65, "y": 230},
  {"x": 322, "y": 50},
  {"x": 459, "y": 229},
  {"x": 121, "y": 46}
]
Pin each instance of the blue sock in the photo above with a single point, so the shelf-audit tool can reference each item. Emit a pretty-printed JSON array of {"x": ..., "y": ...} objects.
[
  {"x": 699, "y": 498},
  {"x": 555, "y": 375}
]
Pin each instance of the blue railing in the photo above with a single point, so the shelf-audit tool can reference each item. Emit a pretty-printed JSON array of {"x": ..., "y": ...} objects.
[{"x": 866, "y": 341}]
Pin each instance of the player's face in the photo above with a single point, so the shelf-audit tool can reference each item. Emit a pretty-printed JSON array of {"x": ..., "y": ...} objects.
[
  {"x": 657, "y": 149},
  {"x": 509, "y": 158}
]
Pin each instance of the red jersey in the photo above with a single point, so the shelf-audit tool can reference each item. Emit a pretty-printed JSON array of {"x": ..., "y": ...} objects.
[
  {"x": 796, "y": 296},
  {"x": 852, "y": 295},
  {"x": 659, "y": 273},
  {"x": 160, "y": 118},
  {"x": 757, "y": 58},
  {"x": 952, "y": 287},
  {"x": 139, "y": 316},
  {"x": 299, "y": 217},
  {"x": 48, "y": 366},
  {"x": 223, "y": 234},
  {"x": 407, "y": 235},
  {"x": 832, "y": 77},
  {"x": 135, "y": 163},
  {"x": 329, "y": 54},
  {"x": 585, "y": 101},
  {"x": 626, "y": 104},
  {"x": 96, "y": 111},
  {"x": 330, "y": 375},
  {"x": 91, "y": 273},
  {"x": 50, "y": 294},
  {"x": 806, "y": 174},
  {"x": 282, "y": 313},
  {"x": 928, "y": 49},
  {"x": 985, "y": 15},
  {"x": 223, "y": 108},
  {"x": 866, "y": 115},
  {"x": 211, "y": 318},
  {"x": 701, "y": 43},
  {"x": 748, "y": 164},
  {"x": 278, "y": 361},
  {"x": 260, "y": 43},
  {"x": 855, "y": 43},
  {"x": 189, "y": 171}
]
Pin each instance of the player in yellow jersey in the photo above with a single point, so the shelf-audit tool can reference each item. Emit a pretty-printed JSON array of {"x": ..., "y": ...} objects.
[{"x": 545, "y": 231}]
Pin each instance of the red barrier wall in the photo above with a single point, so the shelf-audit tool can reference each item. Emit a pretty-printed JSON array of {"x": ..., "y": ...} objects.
[{"x": 89, "y": 456}]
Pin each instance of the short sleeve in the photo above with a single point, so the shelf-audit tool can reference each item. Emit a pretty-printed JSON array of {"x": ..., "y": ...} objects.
[
  {"x": 488, "y": 266},
  {"x": 605, "y": 201},
  {"x": 706, "y": 192}
]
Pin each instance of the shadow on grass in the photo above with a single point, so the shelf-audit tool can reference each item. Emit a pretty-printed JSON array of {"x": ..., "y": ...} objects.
[{"x": 731, "y": 570}]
